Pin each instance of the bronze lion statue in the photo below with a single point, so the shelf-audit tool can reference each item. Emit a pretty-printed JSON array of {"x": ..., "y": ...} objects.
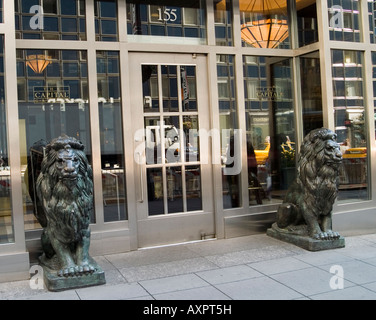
[
  {"x": 308, "y": 204},
  {"x": 65, "y": 191}
]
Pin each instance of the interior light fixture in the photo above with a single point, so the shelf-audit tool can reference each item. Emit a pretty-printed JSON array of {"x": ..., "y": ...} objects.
[
  {"x": 267, "y": 29},
  {"x": 265, "y": 33},
  {"x": 38, "y": 62}
]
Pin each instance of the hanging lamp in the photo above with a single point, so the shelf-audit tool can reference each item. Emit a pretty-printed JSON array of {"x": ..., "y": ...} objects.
[
  {"x": 267, "y": 30},
  {"x": 38, "y": 62},
  {"x": 265, "y": 33}
]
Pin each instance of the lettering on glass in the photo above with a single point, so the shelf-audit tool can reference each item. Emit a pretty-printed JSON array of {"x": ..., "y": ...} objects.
[
  {"x": 167, "y": 15},
  {"x": 51, "y": 94},
  {"x": 269, "y": 93}
]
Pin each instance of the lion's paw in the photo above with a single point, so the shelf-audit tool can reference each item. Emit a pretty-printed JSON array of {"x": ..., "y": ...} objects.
[
  {"x": 86, "y": 269},
  {"x": 67, "y": 272},
  {"x": 76, "y": 271},
  {"x": 328, "y": 235}
]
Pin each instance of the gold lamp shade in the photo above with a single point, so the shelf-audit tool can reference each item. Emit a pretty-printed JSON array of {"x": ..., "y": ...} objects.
[
  {"x": 268, "y": 29},
  {"x": 265, "y": 6},
  {"x": 266, "y": 33},
  {"x": 38, "y": 62}
]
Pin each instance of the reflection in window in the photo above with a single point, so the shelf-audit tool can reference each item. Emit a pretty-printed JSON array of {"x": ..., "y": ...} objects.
[
  {"x": 264, "y": 24},
  {"x": 230, "y": 137},
  {"x": 311, "y": 92},
  {"x": 344, "y": 20},
  {"x": 106, "y": 24},
  {"x": 171, "y": 139},
  {"x": 223, "y": 22},
  {"x": 372, "y": 19},
  {"x": 111, "y": 133},
  {"x": 50, "y": 104},
  {"x": 184, "y": 21},
  {"x": 374, "y": 84},
  {"x": 350, "y": 123},
  {"x": 1, "y": 11},
  {"x": 58, "y": 20},
  {"x": 307, "y": 22},
  {"x": 6, "y": 223},
  {"x": 270, "y": 128}
]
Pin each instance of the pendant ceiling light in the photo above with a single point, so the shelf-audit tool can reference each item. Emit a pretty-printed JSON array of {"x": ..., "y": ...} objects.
[
  {"x": 268, "y": 29},
  {"x": 38, "y": 62},
  {"x": 266, "y": 33}
]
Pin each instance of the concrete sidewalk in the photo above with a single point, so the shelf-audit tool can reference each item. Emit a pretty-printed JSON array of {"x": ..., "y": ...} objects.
[{"x": 247, "y": 268}]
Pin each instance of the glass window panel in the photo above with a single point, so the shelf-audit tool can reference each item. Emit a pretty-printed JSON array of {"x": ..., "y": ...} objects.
[
  {"x": 270, "y": 128},
  {"x": 307, "y": 22},
  {"x": 109, "y": 27},
  {"x": 112, "y": 150},
  {"x": 311, "y": 92},
  {"x": 371, "y": 19},
  {"x": 6, "y": 221},
  {"x": 174, "y": 189},
  {"x": 188, "y": 88},
  {"x": 350, "y": 124},
  {"x": 170, "y": 88},
  {"x": 223, "y": 22},
  {"x": 69, "y": 25},
  {"x": 163, "y": 20},
  {"x": 193, "y": 185},
  {"x": 374, "y": 83},
  {"x": 153, "y": 140},
  {"x": 150, "y": 88},
  {"x": 171, "y": 128},
  {"x": 191, "y": 138},
  {"x": 108, "y": 9},
  {"x": 230, "y": 141},
  {"x": 106, "y": 20},
  {"x": 27, "y": 4},
  {"x": 70, "y": 69},
  {"x": 50, "y": 6},
  {"x": 343, "y": 18},
  {"x": 113, "y": 65},
  {"x": 155, "y": 191},
  {"x": 190, "y": 16},
  {"x": 60, "y": 21},
  {"x": 53, "y": 106},
  {"x": 69, "y": 7}
]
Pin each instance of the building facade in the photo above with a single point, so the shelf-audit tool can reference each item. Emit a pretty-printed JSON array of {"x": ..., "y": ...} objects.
[{"x": 192, "y": 113}]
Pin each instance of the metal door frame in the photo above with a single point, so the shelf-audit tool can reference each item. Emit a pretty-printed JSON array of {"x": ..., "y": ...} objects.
[{"x": 181, "y": 227}]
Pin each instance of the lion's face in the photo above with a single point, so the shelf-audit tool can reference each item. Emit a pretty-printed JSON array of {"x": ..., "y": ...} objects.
[
  {"x": 332, "y": 153},
  {"x": 67, "y": 166},
  {"x": 65, "y": 185}
]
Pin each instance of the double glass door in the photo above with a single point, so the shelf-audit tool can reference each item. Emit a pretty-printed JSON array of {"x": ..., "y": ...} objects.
[{"x": 170, "y": 114}]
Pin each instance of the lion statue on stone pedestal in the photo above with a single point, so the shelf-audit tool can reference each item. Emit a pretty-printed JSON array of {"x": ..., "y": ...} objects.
[
  {"x": 65, "y": 191},
  {"x": 307, "y": 207}
]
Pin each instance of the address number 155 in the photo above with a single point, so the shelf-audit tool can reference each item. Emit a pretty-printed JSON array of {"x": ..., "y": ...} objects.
[{"x": 167, "y": 15}]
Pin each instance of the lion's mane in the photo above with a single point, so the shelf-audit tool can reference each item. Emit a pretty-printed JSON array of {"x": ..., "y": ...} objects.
[
  {"x": 67, "y": 210},
  {"x": 317, "y": 174}
]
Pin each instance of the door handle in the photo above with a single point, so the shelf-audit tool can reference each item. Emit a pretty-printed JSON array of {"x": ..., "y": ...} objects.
[{"x": 141, "y": 200}]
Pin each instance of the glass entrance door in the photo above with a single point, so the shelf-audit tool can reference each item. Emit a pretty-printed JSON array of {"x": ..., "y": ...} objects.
[{"x": 170, "y": 113}]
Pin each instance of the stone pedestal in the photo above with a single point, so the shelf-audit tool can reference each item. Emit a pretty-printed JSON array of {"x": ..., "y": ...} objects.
[
  {"x": 300, "y": 238},
  {"x": 53, "y": 282}
]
